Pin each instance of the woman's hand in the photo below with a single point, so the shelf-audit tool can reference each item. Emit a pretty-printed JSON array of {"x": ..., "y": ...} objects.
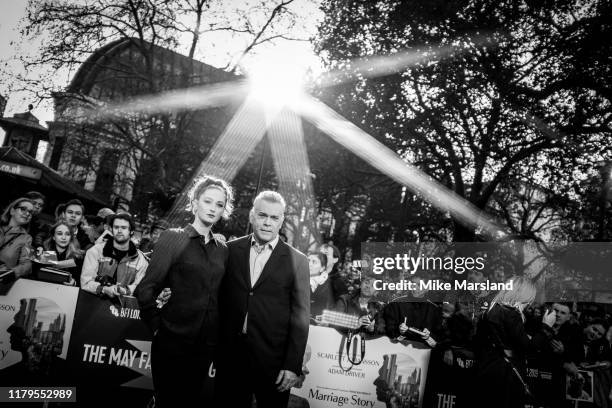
[{"x": 163, "y": 297}]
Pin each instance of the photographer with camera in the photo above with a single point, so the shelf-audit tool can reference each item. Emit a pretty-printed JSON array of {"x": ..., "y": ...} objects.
[
  {"x": 114, "y": 267},
  {"x": 363, "y": 305}
]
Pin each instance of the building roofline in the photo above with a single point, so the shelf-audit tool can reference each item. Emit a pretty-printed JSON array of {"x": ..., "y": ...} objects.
[{"x": 84, "y": 78}]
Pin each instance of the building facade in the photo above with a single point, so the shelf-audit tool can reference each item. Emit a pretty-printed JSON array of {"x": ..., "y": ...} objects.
[{"x": 128, "y": 158}]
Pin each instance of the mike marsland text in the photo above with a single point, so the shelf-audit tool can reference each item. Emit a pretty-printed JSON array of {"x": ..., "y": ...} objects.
[{"x": 436, "y": 284}]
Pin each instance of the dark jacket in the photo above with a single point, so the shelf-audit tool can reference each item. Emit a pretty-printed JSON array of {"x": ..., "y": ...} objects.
[
  {"x": 501, "y": 334},
  {"x": 193, "y": 271},
  {"x": 419, "y": 313},
  {"x": 338, "y": 283},
  {"x": 278, "y": 307},
  {"x": 350, "y": 305},
  {"x": 321, "y": 299},
  {"x": 39, "y": 231},
  {"x": 83, "y": 239},
  {"x": 570, "y": 334}
]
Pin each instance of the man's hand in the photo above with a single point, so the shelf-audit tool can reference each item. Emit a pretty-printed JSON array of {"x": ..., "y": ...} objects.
[
  {"x": 163, "y": 297},
  {"x": 448, "y": 357},
  {"x": 557, "y": 346},
  {"x": 110, "y": 291},
  {"x": 71, "y": 282},
  {"x": 426, "y": 336},
  {"x": 572, "y": 370},
  {"x": 402, "y": 327},
  {"x": 285, "y": 380},
  {"x": 365, "y": 322},
  {"x": 549, "y": 318}
]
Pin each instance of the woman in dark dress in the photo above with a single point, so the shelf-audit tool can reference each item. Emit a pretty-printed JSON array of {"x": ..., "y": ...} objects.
[
  {"x": 190, "y": 262},
  {"x": 502, "y": 346}
]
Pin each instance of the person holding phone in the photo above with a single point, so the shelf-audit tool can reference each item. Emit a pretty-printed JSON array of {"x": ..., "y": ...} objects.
[
  {"x": 357, "y": 304},
  {"x": 415, "y": 310}
]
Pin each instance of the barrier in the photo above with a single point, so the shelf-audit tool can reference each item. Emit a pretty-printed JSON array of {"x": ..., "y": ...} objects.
[
  {"x": 36, "y": 323},
  {"x": 390, "y": 373},
  {"x": 104, "y": 349}
]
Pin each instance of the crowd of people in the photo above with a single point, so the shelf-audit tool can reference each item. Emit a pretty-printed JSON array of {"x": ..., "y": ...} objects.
[
  {"x": 95, "y": 252},
  {"x": 517, "y": 351},
  {"x": 499, "y": 339}
]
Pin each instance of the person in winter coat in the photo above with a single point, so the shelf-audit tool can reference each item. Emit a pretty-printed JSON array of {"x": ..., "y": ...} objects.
[
  {"x": 15, "y": 242},
  {"x": 502, "y": 345}
]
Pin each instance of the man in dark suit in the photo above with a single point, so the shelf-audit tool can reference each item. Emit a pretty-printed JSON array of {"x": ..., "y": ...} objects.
[{"x": 265, "y": 310}]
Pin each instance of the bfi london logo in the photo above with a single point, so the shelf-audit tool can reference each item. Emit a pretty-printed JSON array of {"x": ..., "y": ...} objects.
[{"x": 125, "y": 312}]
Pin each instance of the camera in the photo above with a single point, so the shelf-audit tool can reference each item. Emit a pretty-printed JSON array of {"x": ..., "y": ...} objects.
[{"x": 105, "y": 280}]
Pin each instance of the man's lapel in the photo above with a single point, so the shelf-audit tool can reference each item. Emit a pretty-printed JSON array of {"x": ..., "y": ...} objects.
[
  {"x": 243, "y": 260},
  {"x": 274, "y": 262}
]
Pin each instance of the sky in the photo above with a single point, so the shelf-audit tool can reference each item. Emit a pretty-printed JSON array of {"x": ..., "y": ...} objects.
[
  {"x": 12, "y": 13},
  {"x": 218, "y": 49},
  {"x": 47, "y": 311}
]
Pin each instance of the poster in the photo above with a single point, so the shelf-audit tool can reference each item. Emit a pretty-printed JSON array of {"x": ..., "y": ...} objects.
[
  {"x": 110, "y": 350},
  {"x": 36, "y": 322},
  {"x": 451, "y": 379},
  {"x": 391, "y": 374},
  {"x": 580, "y": 387}
]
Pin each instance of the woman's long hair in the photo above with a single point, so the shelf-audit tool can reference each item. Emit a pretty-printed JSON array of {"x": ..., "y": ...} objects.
[
  {"x": 49, "y": 243},
  {"x": 5, "y": 218},
  {"x": 523, "y": 291}
]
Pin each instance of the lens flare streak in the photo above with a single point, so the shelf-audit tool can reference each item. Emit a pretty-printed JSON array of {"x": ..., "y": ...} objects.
[
  {"x": 377, "y": 66},
  {"x": 388, "y": 162},
  {"x": 202, "y": 97},
  {"x": 293, "y": 169},
  {"x": 230, "y": 151}
]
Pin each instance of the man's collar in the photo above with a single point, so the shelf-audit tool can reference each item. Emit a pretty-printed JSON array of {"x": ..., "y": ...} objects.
[
  {"x": 272, "y": 244},
  {"x": 193, "y": 233},
  {"x": 109, "y": 246}
]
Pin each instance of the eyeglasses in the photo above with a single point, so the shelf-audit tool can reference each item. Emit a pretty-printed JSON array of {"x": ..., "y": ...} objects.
[{"x": 25, "y": 210}]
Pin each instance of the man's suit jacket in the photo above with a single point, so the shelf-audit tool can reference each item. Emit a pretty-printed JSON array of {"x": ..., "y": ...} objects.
[{"x": 278, "y": 307}]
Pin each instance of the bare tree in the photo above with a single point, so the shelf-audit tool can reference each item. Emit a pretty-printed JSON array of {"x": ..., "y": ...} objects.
[{"x": 151, "y": 33}]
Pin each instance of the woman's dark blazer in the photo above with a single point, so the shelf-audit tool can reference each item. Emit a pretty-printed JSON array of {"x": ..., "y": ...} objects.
[{"x": 193, "y": 271}]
